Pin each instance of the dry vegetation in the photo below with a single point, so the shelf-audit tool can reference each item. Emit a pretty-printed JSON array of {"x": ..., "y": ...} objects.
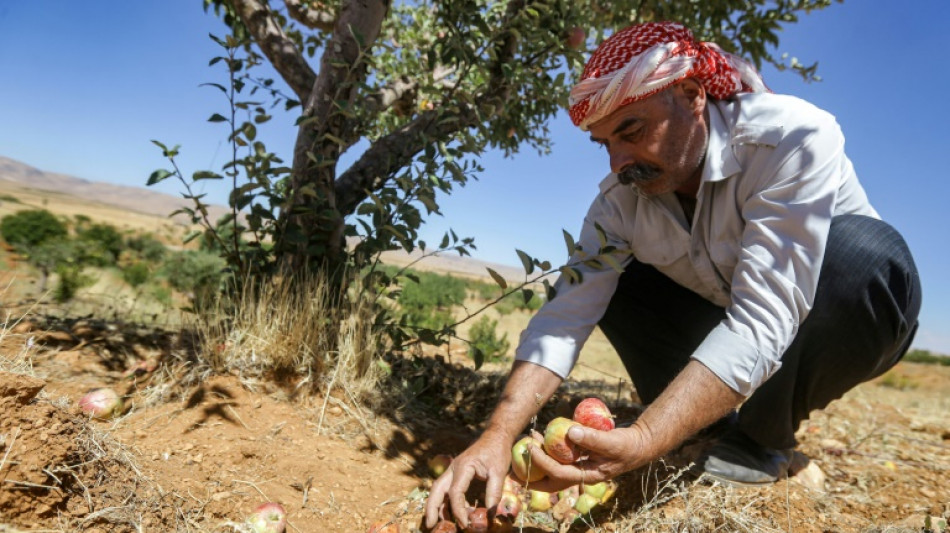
[{"x": 251, "y": 410}]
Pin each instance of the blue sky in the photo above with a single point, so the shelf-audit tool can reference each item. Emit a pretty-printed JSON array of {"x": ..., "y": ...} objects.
[{"x": 84, "y": 86}]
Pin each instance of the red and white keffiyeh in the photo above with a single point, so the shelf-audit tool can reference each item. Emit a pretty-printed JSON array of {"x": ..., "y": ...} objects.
[{"x": 641, "y": 60}]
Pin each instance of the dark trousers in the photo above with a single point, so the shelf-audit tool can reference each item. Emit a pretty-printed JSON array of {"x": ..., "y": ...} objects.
[{"x": 863, "y": 321}]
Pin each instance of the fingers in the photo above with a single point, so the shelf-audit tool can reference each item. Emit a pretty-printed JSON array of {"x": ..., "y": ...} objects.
[
  {"x": 462, "y": 479},
  {"x": 436, "y": 499},
  {"x": 493, "y": 489},
  {"x": 611, "y": 444},
  {"x": 561, "y": 476}
]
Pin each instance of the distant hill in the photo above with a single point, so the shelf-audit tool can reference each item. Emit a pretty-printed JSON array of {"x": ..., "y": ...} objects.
[
  {"x": 150, "y": 202},
  {"x": 138, "y": 199}
]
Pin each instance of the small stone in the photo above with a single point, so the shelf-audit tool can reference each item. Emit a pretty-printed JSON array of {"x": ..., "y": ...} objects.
[
  {"x": 832, "y": 444},
  {"x": 811, "y": 477}
]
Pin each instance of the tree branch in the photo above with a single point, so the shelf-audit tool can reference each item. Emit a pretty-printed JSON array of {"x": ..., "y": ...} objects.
[
  {"x": 397, "y": 150},
  {"x": 274, "y": 43},
  {"x": 319, "y": 137},
  {"x": 313, "y": 18}
]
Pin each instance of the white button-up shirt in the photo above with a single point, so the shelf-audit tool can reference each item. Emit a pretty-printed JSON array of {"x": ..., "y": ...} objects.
[{"x": 774, "y": 175}]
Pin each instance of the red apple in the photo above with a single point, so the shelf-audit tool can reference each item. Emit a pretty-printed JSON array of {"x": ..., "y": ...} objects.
[
  {"x": 268, "y": 518},
  {"x": 593, "y": 413},
  {"x": 512, "y": 485},
  {"x": 477, "y": 521},
  {"x": 576, "y": 37},
  {"x": 556, "y": 443},
  {"x": 541, "y": 501},
  {"x": 101, "y": 403},
  {"x": 509, "y": 506},
  {"x": 444, "y": 526},
  {"x": 439, "y": 464},
  {"x": 521, "y": 461}
]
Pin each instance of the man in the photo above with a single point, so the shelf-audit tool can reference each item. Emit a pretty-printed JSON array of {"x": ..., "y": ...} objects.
[{"x": 758, "y": 276}]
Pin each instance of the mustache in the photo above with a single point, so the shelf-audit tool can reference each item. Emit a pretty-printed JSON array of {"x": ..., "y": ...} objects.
[{"x": 638, "y": 173}]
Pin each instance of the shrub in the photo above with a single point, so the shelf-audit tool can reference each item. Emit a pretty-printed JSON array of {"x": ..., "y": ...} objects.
[
  {"x": 136, "y": 274},
  {"x": 427, "y": 299},
  {"x": 515, "y": 301},
  {"x": 106, "y": 237},
  {"x": 26, "y": 229},
  {"x": 146, "y": 247},
  {"x": 926, "y": 357},
  {"x": 9, "y": 198},
  {"x": 485, "y": 345},
  {"x": 198, "y": 273}
]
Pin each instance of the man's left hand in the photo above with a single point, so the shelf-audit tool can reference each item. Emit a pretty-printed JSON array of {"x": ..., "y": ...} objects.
[{"x": 609, "y": 454}]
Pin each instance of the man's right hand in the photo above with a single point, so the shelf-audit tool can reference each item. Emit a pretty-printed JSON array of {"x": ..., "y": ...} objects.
[{"x": 487, "y": 459}]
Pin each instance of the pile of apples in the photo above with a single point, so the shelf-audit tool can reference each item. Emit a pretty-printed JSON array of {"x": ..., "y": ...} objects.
[{"x": 565, "y": 506}]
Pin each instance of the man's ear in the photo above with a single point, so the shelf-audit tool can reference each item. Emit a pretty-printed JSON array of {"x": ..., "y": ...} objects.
[{"x": 692, "y": 95}]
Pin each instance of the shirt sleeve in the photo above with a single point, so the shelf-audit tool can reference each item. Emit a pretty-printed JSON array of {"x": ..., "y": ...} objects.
[
  {"x": 787, "y": 218},
  {"x": 557, "y": 332}
]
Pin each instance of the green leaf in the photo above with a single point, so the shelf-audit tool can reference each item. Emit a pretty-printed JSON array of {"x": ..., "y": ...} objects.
[
  {"x": 527, "y": 294},
  {"x": 205, "y": 175},
  {"x": 526, "y": 262},
  {"x": 192, "y": 235},
  {"x": 217, "y": 118},
  {"x": 569, "y": 241},
  {"x": 158, "y": 176},
  {"x": 601, "y": 235},
  {"x": 478, "y": 357},
  {"x": 498, "y": 278},
  {"x": 614, "y": 264}
]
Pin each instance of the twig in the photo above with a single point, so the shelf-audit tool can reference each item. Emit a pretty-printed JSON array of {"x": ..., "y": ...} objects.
[
  {"x": 233, "y": 412},
  {"x": 31, "y": 485},
  {"x": 251, "y": 483},
  {"x": 9, "y": 448}
]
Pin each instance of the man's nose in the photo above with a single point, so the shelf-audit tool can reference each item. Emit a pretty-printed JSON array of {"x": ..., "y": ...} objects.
[{"x": 619, "y": 160}]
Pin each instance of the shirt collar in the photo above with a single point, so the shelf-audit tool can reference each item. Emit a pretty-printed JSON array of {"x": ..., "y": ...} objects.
[{"x": 721, "y": 161}]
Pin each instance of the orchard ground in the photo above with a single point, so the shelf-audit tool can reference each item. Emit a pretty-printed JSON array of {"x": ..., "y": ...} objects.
[{"x": 198, "y": 453}]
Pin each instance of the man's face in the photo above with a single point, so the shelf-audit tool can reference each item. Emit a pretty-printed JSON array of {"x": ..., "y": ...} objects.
[{"x": 658, "y": 144}]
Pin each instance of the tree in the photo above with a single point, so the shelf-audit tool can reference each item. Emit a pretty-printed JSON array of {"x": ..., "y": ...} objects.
[
  {"x": 27, "y": 229},
  {"x": 428, "y": 86}
]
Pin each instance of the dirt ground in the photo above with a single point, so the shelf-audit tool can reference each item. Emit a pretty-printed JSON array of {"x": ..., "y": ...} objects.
[{"x": 199, "y": 455}]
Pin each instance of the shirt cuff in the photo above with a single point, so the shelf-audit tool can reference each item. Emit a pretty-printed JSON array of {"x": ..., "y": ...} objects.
[
  {"x": 735, "y": 360},
  {"x": 557, "y": 354}
]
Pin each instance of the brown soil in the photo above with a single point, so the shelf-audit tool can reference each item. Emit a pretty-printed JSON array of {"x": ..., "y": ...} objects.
[{"x": 199, "y": 455}]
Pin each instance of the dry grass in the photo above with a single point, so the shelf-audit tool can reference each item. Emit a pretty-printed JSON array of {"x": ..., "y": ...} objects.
[{"x": 292, "y": 333}]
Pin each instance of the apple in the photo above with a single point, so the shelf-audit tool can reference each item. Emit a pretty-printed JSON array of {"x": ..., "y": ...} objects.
[
  {"x": 609, "y": 493},
  {"x": 512, "y": 485},
  {"x": 521, "y": 461},
  {"x": 385, "y": 526},
  {"x": 268, "y": 518},
  {"x": 569, "y": 494},
  {"x": 593, "y": 413},
  {"x": 445, "y": 526},
  {"x": 556, "y": 443},
  {"x": 509, "y": 506},
  {"x": 596, "y": 490},
  {"x": 101, "y": 403},
  {"x": 541, "y": 501},
  {"x": 501, "y": 524},
  {"x": 576, "y": 37},
  {"x": 586, "y": 502},
  {"x": 477, "y": 521},
  {"x": 439, "y": 464}
]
